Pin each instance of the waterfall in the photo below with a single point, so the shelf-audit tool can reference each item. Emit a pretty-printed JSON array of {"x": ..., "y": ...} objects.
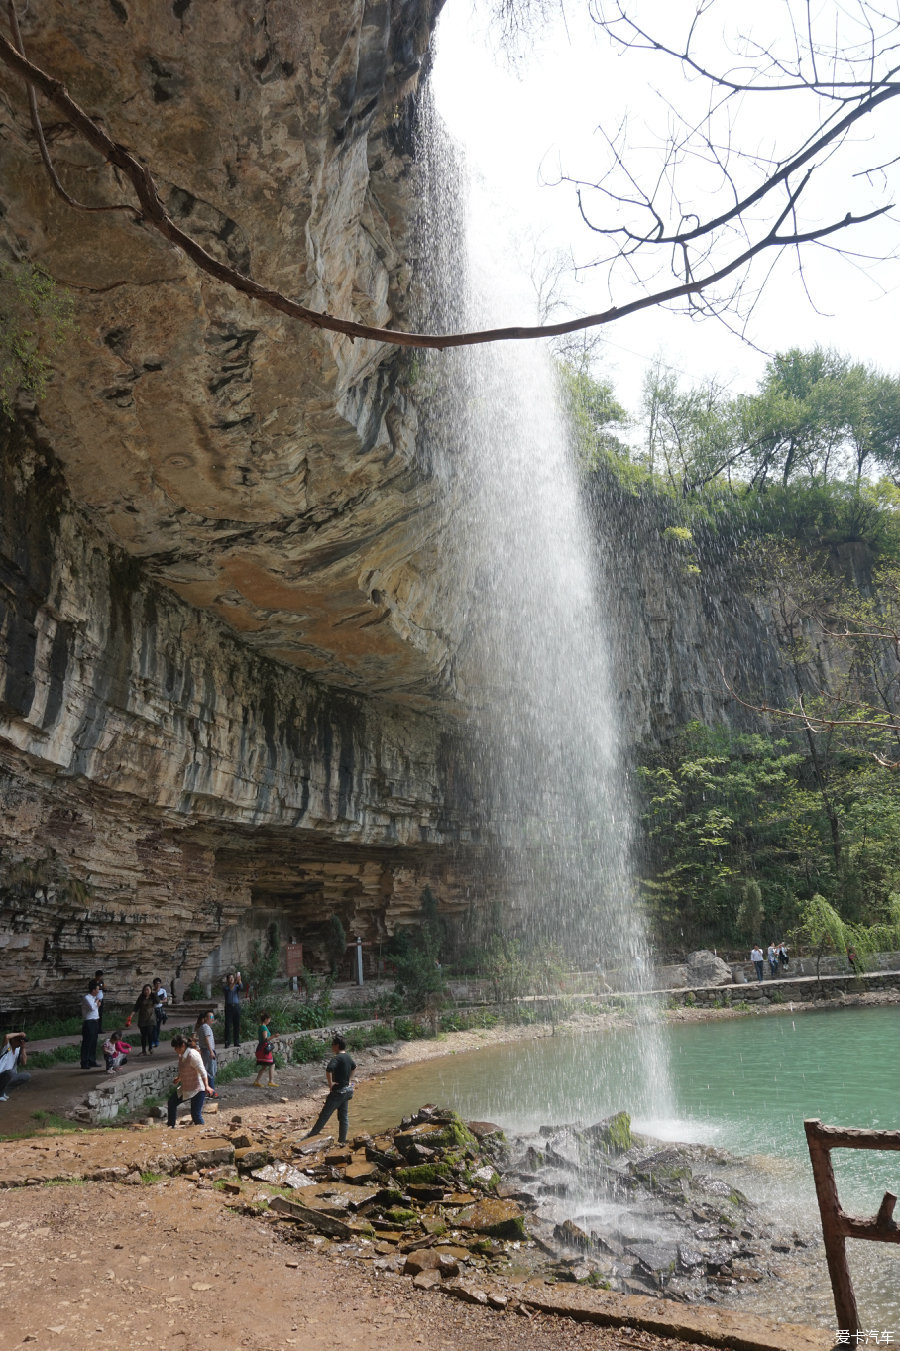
[{"x": 533, "y": 666}]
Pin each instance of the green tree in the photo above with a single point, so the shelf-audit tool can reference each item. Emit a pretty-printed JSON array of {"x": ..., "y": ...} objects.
[
  {"x": 597, "y": 418},
  {"x": 731, "y": 834},
  {"x": 415, "y": 954},
  {"x": 265, "y": 963},
  {"x": 827, "y": 931}
]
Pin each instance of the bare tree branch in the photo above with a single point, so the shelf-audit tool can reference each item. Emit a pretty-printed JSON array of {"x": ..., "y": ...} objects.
[
  {"x": 41, "y": 140},
  {"x": 696, "y": 273}
]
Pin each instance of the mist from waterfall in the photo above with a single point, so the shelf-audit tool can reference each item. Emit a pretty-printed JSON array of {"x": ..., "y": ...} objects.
[{"x": 533, "y": 665}]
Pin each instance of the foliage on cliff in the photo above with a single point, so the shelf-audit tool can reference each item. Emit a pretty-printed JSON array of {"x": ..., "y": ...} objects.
[
  {"x": 737, "y": 836},
  {"x": 812, "y": 455},
  {"x": 35, "y": 316}
]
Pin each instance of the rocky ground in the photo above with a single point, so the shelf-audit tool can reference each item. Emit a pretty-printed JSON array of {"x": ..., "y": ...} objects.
[
  {"x": 250, "y": 1236},
  {"x": 141, "y": 1233}
]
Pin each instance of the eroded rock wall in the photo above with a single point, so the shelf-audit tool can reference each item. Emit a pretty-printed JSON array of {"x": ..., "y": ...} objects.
[
  {"x": 265, "y": 471},
  {"x": 226, "y": 666},
  {"x": 159, "y": 779}
]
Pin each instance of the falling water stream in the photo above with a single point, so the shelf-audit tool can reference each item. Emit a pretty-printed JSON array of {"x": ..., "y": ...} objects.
[
  {"x": 526, "y": 591},
  {"x": 533, "y": 666}
]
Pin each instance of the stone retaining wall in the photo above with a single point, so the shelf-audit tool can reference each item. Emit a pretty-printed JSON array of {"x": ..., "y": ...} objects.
[
  {"x": 121, "y": 1094},
  {"x": 801, "y": 990}
]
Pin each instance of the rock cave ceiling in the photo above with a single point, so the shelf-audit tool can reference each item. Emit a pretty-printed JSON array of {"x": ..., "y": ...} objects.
[{"x": 263, "y": 471}]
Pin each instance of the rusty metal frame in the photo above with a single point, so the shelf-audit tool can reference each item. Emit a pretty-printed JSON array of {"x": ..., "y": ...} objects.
[{"x": 837, "y": 1226}]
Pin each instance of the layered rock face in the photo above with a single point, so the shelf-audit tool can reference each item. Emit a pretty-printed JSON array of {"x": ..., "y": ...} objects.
[
  {"x": 164, "y": 789},
  {"x": 264, "y": 471},
  {"x": 226, "y": 644}
]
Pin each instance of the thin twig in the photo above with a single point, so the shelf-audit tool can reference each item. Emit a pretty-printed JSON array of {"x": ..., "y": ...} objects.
[
  {"x": 41, "y": 140},
  {"x": 154, "y": 213}
]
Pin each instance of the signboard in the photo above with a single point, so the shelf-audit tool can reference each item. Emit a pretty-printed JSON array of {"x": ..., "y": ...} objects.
[{"x": 293, "y": 959}]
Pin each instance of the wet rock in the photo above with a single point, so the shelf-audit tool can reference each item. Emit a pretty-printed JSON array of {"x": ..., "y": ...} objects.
[
  {"x": 612, "y": 1135},
  {"x": 425, "y": 1194},
  {"x": 359, "y": 1173},
  {"x": 571, "y": 1235},
  {"x": 689, "y": 1258},
  {"x": 662, "y": 1169},
  {"x": 499, "y": 1219},
  {"x": 485, "y": 1130},
  {"x": 656, "y": 1257}
]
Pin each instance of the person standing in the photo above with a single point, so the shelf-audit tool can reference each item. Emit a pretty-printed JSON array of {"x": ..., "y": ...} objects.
[
  {"x": 233, "y": 988},
  {"x": 98, "y": 977},
  {"x": 90, "y": 1025},
  {"x": 12, "y": 1057},
  {"x": 756, "y": 957},
  {"x": 145, "y": 1008},
  {"x": 203, "y": 1030},
  {"x": 191, "y": 1084},
  {"x": 265, "y": 1053},
  {"x": 773, "y": 960},
  {"x": 782, "y": 955},
  {"x": 338, "y": 1074},
  {"x": 161, "y": 997}
]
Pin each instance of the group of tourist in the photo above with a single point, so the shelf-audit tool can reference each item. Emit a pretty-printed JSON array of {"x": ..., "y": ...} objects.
[
  {"x": 150, "y": 1010},
  {"x": 777, "y": 957},
  {"x": 195, "y": 1076}
]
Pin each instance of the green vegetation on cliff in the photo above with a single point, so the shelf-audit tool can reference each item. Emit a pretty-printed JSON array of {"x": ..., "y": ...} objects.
[{"x": 787, "y": 496}]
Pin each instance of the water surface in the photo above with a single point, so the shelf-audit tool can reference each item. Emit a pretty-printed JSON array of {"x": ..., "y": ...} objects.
[{"x": 742, "y": 1084}]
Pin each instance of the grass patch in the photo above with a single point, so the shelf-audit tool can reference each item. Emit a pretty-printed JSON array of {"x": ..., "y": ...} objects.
[
  {"x": 54, "y": 1124},
  {"x": 149, "y": 1179},
  {"x": 43, "y": 1029},
  {"x": 43, "y": 1060},
  {"x": 307, "y": 1050},
  {"x": 241, "y": 1068},
  {"x": 64, "y": 1182}
]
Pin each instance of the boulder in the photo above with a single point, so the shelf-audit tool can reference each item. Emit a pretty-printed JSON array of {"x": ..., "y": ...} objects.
[
  {"x": 705, "y": 968},
  {"x": 499, "y": 1219}
]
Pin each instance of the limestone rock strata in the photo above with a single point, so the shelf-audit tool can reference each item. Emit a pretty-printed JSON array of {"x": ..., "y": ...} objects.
[
  {"x": 266, "y": 472},
  {"x": 158, "y": 779}
]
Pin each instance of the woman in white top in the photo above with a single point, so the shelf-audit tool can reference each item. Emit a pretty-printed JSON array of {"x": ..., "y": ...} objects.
[
  {"x": 203, "y": 1031},
  {"x": 191, "y": 1084}
]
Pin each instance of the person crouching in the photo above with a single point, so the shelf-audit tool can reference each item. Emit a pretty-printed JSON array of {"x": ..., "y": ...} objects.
[
  {"x": 191, "y": 1082},
  {"x": 115, "y": 1052}
]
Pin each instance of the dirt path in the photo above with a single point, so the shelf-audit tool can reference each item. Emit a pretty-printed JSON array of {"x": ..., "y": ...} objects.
[{"x": 98, "y": 1267}]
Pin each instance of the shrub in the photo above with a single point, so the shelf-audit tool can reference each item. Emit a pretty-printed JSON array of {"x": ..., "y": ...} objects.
[
  {"x": 307, "y": 1050},
  {"x": 408, "y": 1029}
]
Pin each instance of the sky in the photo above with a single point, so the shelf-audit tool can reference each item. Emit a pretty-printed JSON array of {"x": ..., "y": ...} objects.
[{"x": 521, "y": 123}]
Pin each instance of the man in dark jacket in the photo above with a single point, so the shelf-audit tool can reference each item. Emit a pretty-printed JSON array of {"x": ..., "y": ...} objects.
[{"x": 340, "y": 1090}]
